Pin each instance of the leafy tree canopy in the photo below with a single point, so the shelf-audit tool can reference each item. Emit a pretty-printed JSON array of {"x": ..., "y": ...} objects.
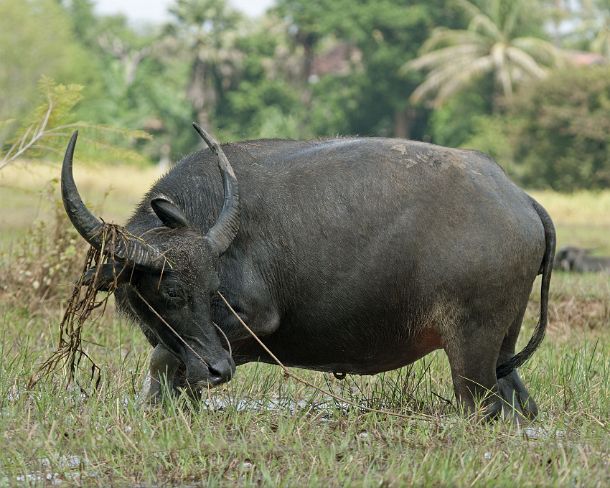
[
  {"x": 36, "y": 39},
  {"x": 562, "y": 136}
]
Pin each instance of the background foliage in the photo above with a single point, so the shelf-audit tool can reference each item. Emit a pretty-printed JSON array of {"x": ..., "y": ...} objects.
[{"x": 523, "y": 81}]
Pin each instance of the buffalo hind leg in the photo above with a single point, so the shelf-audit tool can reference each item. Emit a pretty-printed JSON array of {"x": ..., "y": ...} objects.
[
  {"x": 473, "y": 349},
  {"x": 511, "y": 388},
  {"x": 516, "y": 399}
]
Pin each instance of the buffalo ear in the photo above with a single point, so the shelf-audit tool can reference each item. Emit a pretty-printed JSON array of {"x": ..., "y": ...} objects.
[{"x": 170, "y": 215}]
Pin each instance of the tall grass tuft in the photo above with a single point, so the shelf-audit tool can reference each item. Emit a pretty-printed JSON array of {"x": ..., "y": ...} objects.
[{"x": 40, "y": 267}]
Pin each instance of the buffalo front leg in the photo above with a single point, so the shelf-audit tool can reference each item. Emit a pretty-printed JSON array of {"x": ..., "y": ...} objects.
[{"x": 162, "y": 370}]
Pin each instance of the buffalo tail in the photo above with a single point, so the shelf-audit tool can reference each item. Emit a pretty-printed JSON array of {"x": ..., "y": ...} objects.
[{"x": 546, "y": 269}]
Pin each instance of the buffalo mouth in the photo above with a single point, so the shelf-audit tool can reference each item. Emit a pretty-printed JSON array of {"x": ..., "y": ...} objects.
[{"x": 204, "y": 372}]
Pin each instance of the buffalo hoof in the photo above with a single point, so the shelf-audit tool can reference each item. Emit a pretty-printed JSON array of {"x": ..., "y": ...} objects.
[
  {"x": 150, "y": 393},
  {"x": 512, "y": 401}
]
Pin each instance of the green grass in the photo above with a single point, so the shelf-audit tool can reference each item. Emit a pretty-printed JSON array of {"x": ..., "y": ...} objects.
[
  {"x": 278, "y": 432},
  {"x": 263, "y": 428}
]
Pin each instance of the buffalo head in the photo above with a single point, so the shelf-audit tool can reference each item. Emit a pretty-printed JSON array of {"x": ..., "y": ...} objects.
[{"x": 167, "y": 274}]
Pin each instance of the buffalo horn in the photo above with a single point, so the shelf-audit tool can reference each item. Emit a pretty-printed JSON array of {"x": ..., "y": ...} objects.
[
  {"x": 134, "y": 251},
  {"x": 225, "y": 229}
]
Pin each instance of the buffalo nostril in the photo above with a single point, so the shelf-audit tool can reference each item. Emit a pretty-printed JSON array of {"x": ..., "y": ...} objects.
[
  {"x": 223, "y": 369},
  {"x": 214, "y": 371}
]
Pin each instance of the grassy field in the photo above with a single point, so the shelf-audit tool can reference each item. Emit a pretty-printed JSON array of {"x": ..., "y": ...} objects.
[{"x": 265, "y": 429}]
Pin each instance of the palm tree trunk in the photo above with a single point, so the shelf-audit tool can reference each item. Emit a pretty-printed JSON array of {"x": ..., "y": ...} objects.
[
  {"x": 200, "y": 93},
  {"x": 403, "y": 119}
]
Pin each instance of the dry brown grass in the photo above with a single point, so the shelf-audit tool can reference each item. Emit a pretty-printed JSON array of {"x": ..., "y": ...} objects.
[
  {"x": 24, "y": 187},
  {"x": 40, "y": 252},
  {"x": 577, "y": 313},
  {"x": 41, "y": 264},
  {"x": 581, "y": 218},
  {"x": 578, "y": 208}
]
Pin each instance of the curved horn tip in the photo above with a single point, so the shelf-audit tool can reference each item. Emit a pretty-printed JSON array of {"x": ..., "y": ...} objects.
[
  {"x": 87, "y": 224},
  {"x": 70, "y": 149},
  {"x": 216, "y": 149},
  {"x": 207, "y": 137}
]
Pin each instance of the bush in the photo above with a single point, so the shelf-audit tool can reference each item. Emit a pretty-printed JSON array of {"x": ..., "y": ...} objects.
[
  {"x": 491, "y": 135},
  {"x": 561, "y": 130},
  {"x": 43, "y": 132}
]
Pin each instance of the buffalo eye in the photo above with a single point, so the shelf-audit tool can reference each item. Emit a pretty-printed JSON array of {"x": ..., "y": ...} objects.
[
  {"x": 172, "y": 293},
  {"x": 174, "y": 296}
]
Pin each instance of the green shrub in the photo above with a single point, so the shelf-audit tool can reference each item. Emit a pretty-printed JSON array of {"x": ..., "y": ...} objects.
[
  {"x": 44, "y": 132},
  {"x": 561, "y": 130}
]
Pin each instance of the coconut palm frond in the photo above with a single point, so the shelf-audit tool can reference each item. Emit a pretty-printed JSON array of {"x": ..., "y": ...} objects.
[
  {"x": 470, "y": 8},
  {"x": 441, "y": 56},
  {"x": 512, "y": 17},
  {"x": 443, "y": 75},
  {"x": 433, "y": 83},
  {"x": 526, "y": 62},
  {"x": 540, "y": 49},
  {"x": 484, "y": 25},
  {"x": 464, "y": 78},
  {"x": 443, "y": 37}
]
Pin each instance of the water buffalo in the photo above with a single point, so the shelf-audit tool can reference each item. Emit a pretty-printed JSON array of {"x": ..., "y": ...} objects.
[
  {"x": 578, "y": 260},
  {"x": 350, "y": 255}
]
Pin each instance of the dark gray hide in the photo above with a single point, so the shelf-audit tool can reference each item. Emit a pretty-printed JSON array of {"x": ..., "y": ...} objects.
[
  {"x": 579, "y": 260},
  {"x": 355, "y": 255}
]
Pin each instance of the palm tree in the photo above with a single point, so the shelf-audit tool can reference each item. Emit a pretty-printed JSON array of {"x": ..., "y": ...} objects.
[
  {"x": 207, "y": 31},
  {"x": 490, "y": 45}
]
